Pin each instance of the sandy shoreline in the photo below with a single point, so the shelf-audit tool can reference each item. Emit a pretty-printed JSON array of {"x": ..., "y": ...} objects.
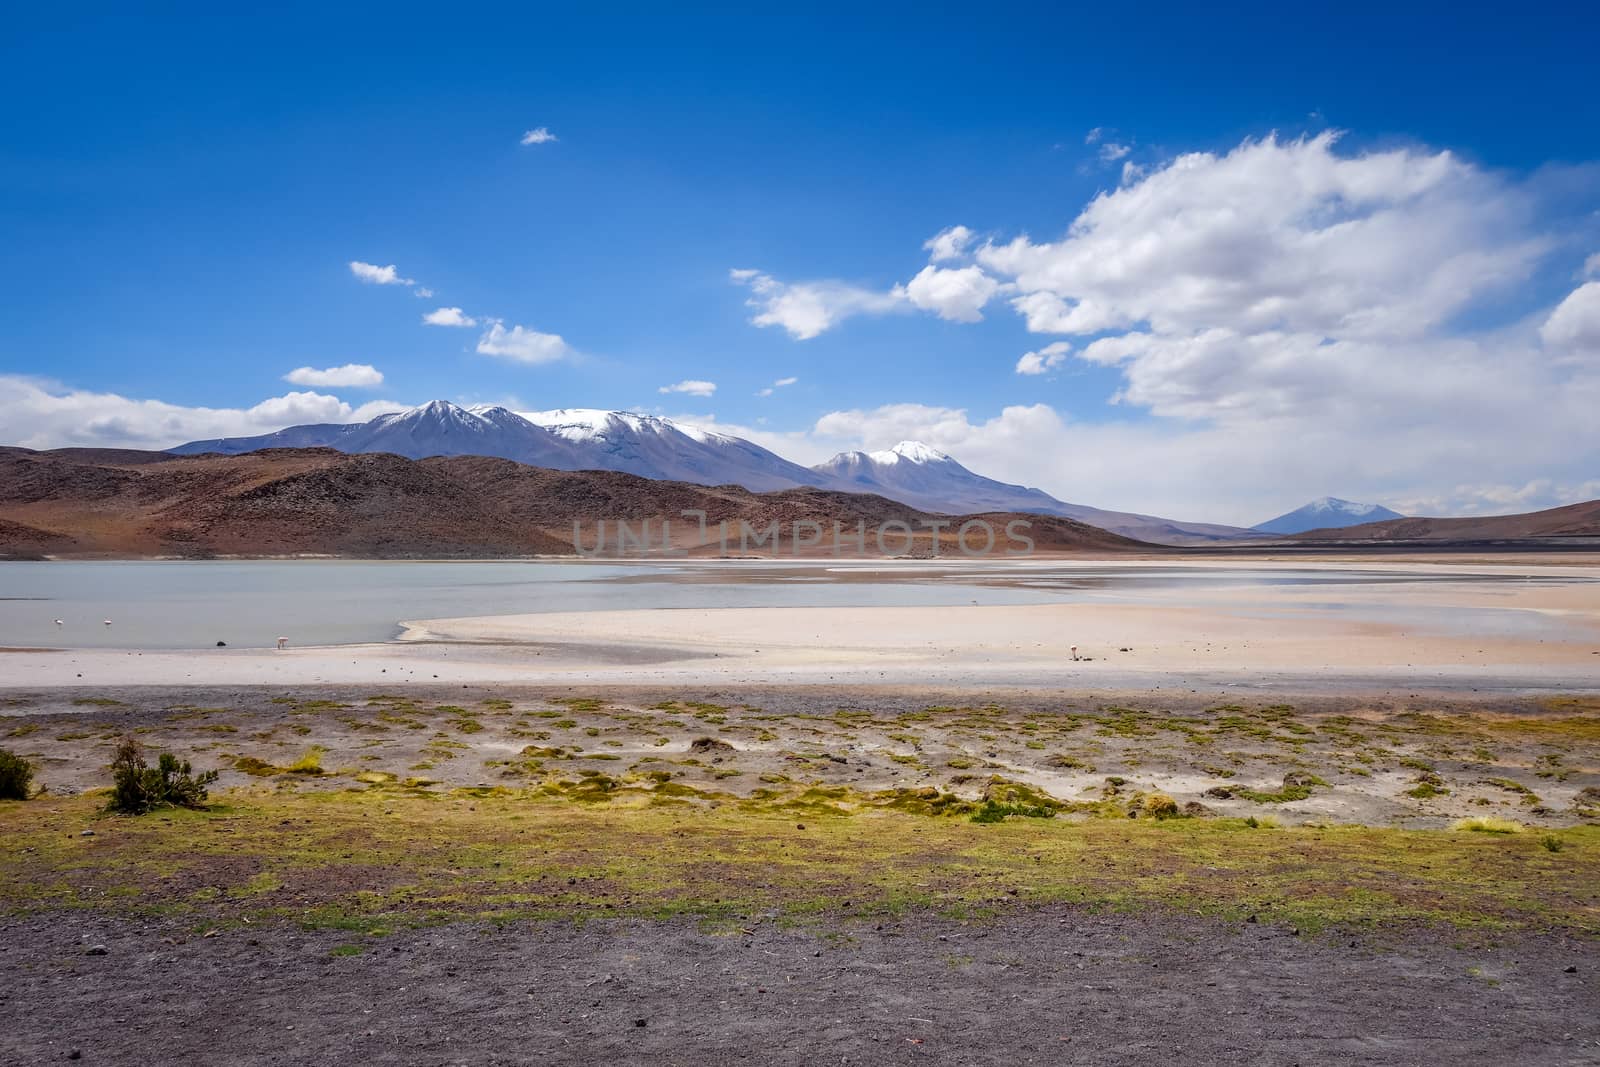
[{"x": 1451, "y": 630}]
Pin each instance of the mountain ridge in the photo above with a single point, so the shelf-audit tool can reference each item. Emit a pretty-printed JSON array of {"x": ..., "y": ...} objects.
[
  {"x": 913, "y": 473},
  {"x": 274, "y": 502}
]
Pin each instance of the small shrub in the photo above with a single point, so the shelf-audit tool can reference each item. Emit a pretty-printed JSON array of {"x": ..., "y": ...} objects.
[
  {"x": 310, "y": 764},
  {"x": 1159, "y": 806},
  {"x": 16, "y": 774},
  {"x": 138, "y": 787},
  {"x": 1552, "y": 843}
]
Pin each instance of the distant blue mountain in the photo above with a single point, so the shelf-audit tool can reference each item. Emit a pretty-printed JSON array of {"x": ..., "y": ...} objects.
[{"x": 1327, "y": 513}]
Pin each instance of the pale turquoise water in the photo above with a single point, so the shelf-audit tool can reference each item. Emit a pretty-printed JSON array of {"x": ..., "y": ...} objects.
[{"x": 249, "y": 604}]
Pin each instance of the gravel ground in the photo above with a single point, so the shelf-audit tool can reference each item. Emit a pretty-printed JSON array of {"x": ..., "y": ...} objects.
[{"x": 1036, "y": 985}]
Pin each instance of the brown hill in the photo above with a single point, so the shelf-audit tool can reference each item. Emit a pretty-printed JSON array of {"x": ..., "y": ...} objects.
[
  {"x": 1573, "y": 520},
  {"x": 89, "y": 502}
]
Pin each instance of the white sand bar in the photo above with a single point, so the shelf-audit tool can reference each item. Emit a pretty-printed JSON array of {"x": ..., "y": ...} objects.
[{"x": 1446, "y": 635}]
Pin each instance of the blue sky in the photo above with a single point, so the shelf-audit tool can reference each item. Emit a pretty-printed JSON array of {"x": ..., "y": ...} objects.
[{"x": 181, "y": 196}]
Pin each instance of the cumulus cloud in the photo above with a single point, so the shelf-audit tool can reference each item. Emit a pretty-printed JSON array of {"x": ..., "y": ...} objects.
[
  {"x": 948, "y": 244},
  {"x": 449, "y": 317},
  {"x": 1241, "y": 473},
  {"x": 690, "y": 387},
  {"x": 1288, "y": 320},
  {"x": 541, "y": 135},
  {"x": 522, "y": 345},
  {"x": 46, "y": 414},
  {"x": 956, "y": 294},
  {"x": 1575, "y": 323},
  {"x": 372, "y": 274},
  {"x": 351, "y": 375},
  {"x": 807, "y": 309},
  {"x": 1047, "y": 358},
  {"x": 1285, "y": 236}
]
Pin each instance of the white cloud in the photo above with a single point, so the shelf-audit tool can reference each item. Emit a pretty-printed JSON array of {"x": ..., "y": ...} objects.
[
  {"x": 1047, "y": 358},
  {"x": 957, "y": 295},
  {"x": 522, "y": 345},
  {"x": 45, "y": 414},
  {"x": 373, "y": 274},
  {"x": 1285, "y": 236},
  {"x": 690, "y": 387},
  {"x": 1288, "y": 321},
  {"x": 806, "y": 309},
  {"x": 1110, "y": 152},
  {"x": 538, "y": 136},
  {"x": 948, "y": 244},
  {"x": 781, "y": 383},
  {"x": 1094, "y": 135},
  {"x": 422, "y": 292},
  {"x": 1245, "y": 472},
  {"x": 351, "y": 375},
  {"x": 448, "y": 317},
  {"x": 1575, "y": 323}
]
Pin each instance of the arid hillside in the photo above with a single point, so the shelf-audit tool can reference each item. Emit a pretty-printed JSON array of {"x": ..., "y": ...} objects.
[
  {"x": 112, "y": 503},
  {"x": 1573, "y": 520}
]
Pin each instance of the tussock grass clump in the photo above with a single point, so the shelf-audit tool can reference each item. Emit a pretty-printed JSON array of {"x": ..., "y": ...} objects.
[
  {"x": 1487, "y": 824},
  {"x": 256, "y": 768},
  {"x": 138, "y": 787},
  {"x": 1295, "y": 787},
  {"x": 310, "y": 764},
  {"x": 16, "y": 775},
  {"x": 1159, "y": 806}
]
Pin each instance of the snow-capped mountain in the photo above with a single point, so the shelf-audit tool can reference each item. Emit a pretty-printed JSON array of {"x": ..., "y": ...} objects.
[
  {"x": 653, "y": 447},
  {"x": 917, "y": 474},
  {"x": 437, "y": 429},
  {"x": 569, "y": 439},
  {"x": 1326, "y": 513}
]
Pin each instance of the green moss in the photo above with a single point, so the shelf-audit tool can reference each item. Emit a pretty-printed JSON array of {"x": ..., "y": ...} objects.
[{"x": 256, "y": 768}]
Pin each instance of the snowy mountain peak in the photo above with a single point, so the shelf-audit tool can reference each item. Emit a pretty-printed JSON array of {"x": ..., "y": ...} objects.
[
  {"x": 650, "y": 446},
  {"x": 1326, "y": 512},
  {"x": 911, "y": 452},
  {"x": 1344, "y": 507}
]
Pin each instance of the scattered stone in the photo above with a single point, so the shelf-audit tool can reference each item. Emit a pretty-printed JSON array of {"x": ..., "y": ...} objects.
[
  {"x": 1219, "y": 792},
  {"x": 75, "y": 1054},
  {"x": 86, "y": 833},
  {"x": 97, "y": 950}
]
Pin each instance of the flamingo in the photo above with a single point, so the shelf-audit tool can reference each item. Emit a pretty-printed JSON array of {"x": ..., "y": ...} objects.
[
  {"x": 108, "y": 622},
  {"x": 60, "y": 623}
]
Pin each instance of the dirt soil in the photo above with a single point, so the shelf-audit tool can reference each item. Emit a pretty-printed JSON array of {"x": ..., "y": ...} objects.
[{"x": 1037, "y": 985}]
